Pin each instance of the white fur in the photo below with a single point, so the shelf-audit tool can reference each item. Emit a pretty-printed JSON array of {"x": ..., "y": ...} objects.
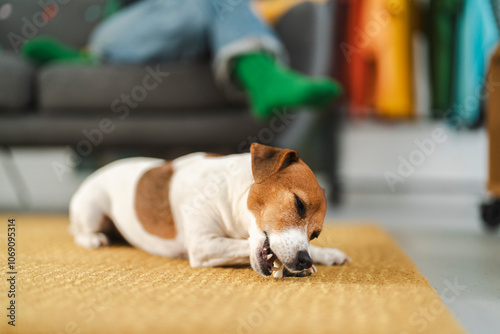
[
  {"x": 288, "y": 243},
  {"x": 328, "y": 256},
  {"x": 111, "y": 191},
  {"x": 209, "y": 204}
]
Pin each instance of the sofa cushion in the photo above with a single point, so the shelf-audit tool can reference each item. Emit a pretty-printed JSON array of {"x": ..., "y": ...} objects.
[
  {"x": 69, "y": 88},
  {"x": 68, "y": 20},
  {"x": 16, "y": 82}
]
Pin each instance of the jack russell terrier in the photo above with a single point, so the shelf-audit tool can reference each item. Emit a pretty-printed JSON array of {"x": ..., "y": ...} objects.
[{"x": 257, "y": 207}]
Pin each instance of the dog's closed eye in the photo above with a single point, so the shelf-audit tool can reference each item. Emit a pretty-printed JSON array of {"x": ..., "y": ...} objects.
[
  {"x": 299, "y": 205},
  {"x": 314, "y": 235}
]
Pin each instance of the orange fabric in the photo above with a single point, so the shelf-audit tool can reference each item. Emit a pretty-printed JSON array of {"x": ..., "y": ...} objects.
[
  {"x": 272, "y": 10},
  {"x": 381, "y": 65}
]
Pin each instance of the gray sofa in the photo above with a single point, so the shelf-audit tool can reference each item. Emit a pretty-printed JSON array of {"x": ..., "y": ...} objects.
[{"x": 63, "y": 104}]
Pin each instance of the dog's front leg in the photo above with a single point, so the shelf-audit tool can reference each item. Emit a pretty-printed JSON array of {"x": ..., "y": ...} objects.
[
  {"x": 328, "y": 256},
  {"x": 211, "y": 251}
]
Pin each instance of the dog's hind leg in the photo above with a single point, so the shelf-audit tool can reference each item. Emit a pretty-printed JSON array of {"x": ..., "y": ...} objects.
[{"x": 88, "y": 220}]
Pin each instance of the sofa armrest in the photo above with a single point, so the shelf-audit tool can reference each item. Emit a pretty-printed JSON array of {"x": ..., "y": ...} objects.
[{"x": 306, "y": 32}]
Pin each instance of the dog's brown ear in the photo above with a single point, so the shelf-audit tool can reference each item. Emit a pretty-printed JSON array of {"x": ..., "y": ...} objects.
[{"x": 268, "y": 160}]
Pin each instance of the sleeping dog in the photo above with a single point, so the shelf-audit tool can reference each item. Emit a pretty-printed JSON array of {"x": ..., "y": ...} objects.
[{"x": 254, "y": 207}]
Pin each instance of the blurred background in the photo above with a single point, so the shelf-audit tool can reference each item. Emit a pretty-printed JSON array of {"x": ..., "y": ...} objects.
[{"x": 406, "y": 146}]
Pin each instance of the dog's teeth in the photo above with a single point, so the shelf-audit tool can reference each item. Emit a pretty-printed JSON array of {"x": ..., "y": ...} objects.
[
  {"x": 269, "y": 256},
  {"x": 314, "y": 269}
]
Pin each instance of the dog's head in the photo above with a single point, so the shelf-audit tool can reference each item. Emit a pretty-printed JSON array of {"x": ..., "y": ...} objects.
[{"x": 289, "y": 208}]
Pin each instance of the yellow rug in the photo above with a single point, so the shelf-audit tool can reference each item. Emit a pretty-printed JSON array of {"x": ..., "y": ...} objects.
[{"x": 62, "y": 288}]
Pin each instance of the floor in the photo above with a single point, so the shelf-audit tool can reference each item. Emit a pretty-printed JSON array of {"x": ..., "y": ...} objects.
[
  {"x": 445, "y": 239},
  {"x": 432, "y": 211}
]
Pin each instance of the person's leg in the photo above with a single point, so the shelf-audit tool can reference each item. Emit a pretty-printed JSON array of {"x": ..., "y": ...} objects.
[
  {"x": 150, "y": 30},
  {"x": 246, "y": 49},
  {"x": 46, "y": 49}
]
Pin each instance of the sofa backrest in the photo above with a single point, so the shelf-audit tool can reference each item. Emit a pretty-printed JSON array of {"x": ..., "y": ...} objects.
[{"x": 68, "y": 20}]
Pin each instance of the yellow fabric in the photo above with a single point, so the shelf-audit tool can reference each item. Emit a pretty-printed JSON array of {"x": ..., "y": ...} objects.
[
  {"x": 272, "y": 10},
  {"x": 63, "y": 288},
  {"x": 393, "y": 47}
]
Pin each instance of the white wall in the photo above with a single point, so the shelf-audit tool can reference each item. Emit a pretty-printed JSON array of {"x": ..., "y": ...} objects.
[{"x": 370, "y": 150}]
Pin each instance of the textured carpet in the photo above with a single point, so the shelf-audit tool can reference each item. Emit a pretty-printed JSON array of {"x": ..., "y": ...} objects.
[{"x": 62, "y": 288}]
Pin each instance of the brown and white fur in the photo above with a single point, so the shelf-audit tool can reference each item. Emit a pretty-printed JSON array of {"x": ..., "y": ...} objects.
[{"x": 214, "y": 210}]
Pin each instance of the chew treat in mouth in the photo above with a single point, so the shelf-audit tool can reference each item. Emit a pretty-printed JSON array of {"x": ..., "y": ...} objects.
[{"x": 277, "y": 268}]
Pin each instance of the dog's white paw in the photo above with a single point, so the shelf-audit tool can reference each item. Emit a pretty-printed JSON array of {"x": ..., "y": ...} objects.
[
  {"x": 330, "y": 257},
  {"x": 92, "y": 240}
]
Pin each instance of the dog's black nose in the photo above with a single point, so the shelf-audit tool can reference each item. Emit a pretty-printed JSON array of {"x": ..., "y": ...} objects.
[{"x": 304, "y": 261}]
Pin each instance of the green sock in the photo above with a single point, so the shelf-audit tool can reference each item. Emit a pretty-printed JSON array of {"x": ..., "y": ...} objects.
[
  {"x": 271, "y": 85},
  {"x": 44, "y": 49}
]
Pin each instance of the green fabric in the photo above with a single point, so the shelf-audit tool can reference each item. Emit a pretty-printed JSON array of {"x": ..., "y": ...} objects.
[
  {"x": 45, "y": 49},
  {"x": 271, "y": 85},
  {"x": 443, "y": 26}
]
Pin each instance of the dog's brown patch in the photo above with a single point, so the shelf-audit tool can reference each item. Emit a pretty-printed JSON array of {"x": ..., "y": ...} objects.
[
  {"x": 152, "y": 202},
  {"x": 279, "y": 176}
]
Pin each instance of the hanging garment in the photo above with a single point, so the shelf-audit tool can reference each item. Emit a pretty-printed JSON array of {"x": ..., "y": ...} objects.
[
  {"x": 443, "y": 22},
  {"x": 355, "y": 52},
  {"x": 477, "y": 36},
  {"x": 339, "y": 67},
  {"x": 381, "y": 57},
  {"x": 492, "y": 92},
  {"x": 495, "y": 5},
  {"x": 421, "y": 65}
]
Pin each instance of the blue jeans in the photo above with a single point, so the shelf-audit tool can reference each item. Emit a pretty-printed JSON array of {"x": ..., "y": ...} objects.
[{"x": 170, "y": 30}]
